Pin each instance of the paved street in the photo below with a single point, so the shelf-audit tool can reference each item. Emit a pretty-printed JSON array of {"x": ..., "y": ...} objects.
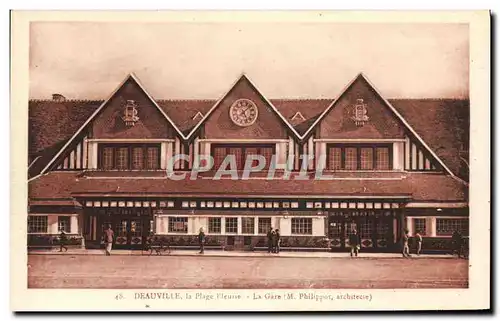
[{"x": 97, "y": 271}]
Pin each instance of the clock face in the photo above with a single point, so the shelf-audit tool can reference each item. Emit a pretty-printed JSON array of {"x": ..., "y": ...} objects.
[{"x": 243, "y": 112}]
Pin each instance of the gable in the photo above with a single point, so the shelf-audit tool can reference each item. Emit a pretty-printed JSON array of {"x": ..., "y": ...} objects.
[
  {"x": 268, "y": 124},
  {"x": 183, "y": 112},
  {"x": 381, "y": 122},
  {"x": 108, "y": 124}
]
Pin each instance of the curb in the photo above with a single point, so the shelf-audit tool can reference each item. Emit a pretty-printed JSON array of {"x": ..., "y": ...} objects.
[{"x": 208, "y": 254}]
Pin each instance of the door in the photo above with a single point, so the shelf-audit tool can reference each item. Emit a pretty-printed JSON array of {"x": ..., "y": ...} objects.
[
  {"x": 129, "y": 232},
  {"x": 349, "y": 226}
]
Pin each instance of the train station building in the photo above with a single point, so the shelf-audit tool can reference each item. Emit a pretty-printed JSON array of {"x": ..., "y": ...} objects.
[{"x": 357, "y": 161}]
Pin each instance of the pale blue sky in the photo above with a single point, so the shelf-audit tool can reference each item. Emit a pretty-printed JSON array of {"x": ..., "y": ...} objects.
[{"x": 307, "y": 60}]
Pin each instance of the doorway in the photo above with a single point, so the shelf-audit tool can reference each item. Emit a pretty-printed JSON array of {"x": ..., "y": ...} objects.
[
  {"x": 131, "y": 227},
  {"x": 375, "y": 229}
]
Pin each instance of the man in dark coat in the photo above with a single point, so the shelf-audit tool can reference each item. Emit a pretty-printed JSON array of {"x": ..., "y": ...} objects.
[
  {"x": 354, "y": 242},
  {"x": 277, "y": 240},
  {"x": 201, "y": 240},
  {"x": 457, "y": 243},
  {"x": 62, "y": 241},
  {"x": 270, "y": 237}
]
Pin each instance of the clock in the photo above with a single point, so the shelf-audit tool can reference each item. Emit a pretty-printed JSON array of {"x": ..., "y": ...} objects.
[{"x": 243, "y": 112}]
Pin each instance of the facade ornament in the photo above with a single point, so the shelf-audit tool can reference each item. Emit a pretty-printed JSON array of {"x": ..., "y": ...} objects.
[
  {"x": 360, "y": 116},
  {"x": 130, "y": 113}
]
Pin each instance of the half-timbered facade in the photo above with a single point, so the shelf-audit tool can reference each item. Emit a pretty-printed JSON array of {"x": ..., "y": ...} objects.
[{"x": 386, "y": 165}]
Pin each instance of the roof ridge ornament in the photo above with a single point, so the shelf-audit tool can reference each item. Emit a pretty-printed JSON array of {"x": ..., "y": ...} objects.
[
  {"x": 198, "y": 115},
  {"x": 298, "y": 115}
]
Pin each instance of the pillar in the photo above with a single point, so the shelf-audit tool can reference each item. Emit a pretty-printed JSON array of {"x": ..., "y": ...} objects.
[
  {"x": 318, "y": 226},
  {"x": 53, "y": 224},
  {"x": 432, "y": 229},
  {"x": 286, "y": 226},
  {"x": 163, "y": 155},
  {"x": 409, "y": 224},
  {"x": 240, "y": 227},
  {"x": 74, "y": 224}
]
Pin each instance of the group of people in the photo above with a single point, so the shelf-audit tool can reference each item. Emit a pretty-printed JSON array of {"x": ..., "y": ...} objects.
[
  {"x": 273, "y": 240},
  {"x": 355, "y": 243}
]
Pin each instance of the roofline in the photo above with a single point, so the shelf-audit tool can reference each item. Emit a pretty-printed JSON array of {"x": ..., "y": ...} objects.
[
  {"x": 401, "y": 118},
  {"x": 136, "y": 79},
  {"x": 217, "y": 103},
  {"x": 94, "y": 114},
  {"x": 345, "y": 197},
  {"x": 408, "y": 126},
  {"x": 33, "y": 161},
  {"x": 329, "y": 107}
]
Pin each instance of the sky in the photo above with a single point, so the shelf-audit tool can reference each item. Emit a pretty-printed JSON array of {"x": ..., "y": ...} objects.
[{"x": 87, "y": 60}]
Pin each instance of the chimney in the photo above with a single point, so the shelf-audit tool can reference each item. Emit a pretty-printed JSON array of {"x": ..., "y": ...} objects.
[{"x": 58, "y": 97}]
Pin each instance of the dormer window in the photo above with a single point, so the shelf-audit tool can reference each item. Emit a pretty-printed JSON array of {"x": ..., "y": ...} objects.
[
  {"x": 129, "y": 157},
  {"x": 298, "y": 117},
  {"x": 359, "y": 157},
  {"x": 130, "y": 113}
]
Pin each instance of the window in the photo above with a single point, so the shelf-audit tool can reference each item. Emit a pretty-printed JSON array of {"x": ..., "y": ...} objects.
[
  {"x": 446, "y": 226},
  {"x": 419, "y": 226},
  {"x": 214, "y": 225},
  {"x": 132, "y": 156},
  {"x": 382, "y": 229},
  {"x": 366, "y": 230},
  {"x": 153, "y": 157},
  {"x": 351, "y": 158},
  {"x": 137, "y": 158},
  {"x": 359, "y": 157},
  {"x": 383, "y": 158},
  {"x": 264, "y": 225},
  {"x": 240, "y": 153},
  {"x": 122, "y": 158},
  {"x": 231, "y": 225},
  {"x": 335, "y": 159},
  {"x": 302, "y": 226},
  {"x": 37, "y": 224},
  {"x": 366, "y": 158},
  {"x": 64, "y": 224},
  {"x": 219, "y": 154},
  {"x": 107, "y": 158},
  {"x": 177, "y": 224},
  {"x": 247, "y": 225}
]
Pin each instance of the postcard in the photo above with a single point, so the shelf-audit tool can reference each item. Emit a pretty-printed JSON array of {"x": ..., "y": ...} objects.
[{"x": 257, "y": 161}]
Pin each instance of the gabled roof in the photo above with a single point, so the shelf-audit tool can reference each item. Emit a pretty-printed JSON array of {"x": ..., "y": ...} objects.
[
  {"x": 441, "y": 123},
  {"x": 96, "y": 112},
  {"x": 244, "y": 77},
  {"x": 308, "y": 108},
  {"x": 391, "y": 108},
  {"x": 183, "y": 112}
]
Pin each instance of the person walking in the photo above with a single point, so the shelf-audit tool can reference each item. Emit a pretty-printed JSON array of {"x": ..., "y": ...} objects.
[
  {"x": 201, "y": 240},
  {"x": 405, "y": 239},
  {"x": 457, "y": 243},
  {"x": 270, "y": 237},
  {"x": 109, "y": 237},
  {"x": 418, "y": 241},
  {"x": 354, "y": 242},
  {"x": 277, "y": 241},
  {"x": 62, "y": 241}
]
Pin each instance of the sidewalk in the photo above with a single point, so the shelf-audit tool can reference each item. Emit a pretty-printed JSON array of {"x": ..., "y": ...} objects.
[{"x": 219, "y": 253}]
